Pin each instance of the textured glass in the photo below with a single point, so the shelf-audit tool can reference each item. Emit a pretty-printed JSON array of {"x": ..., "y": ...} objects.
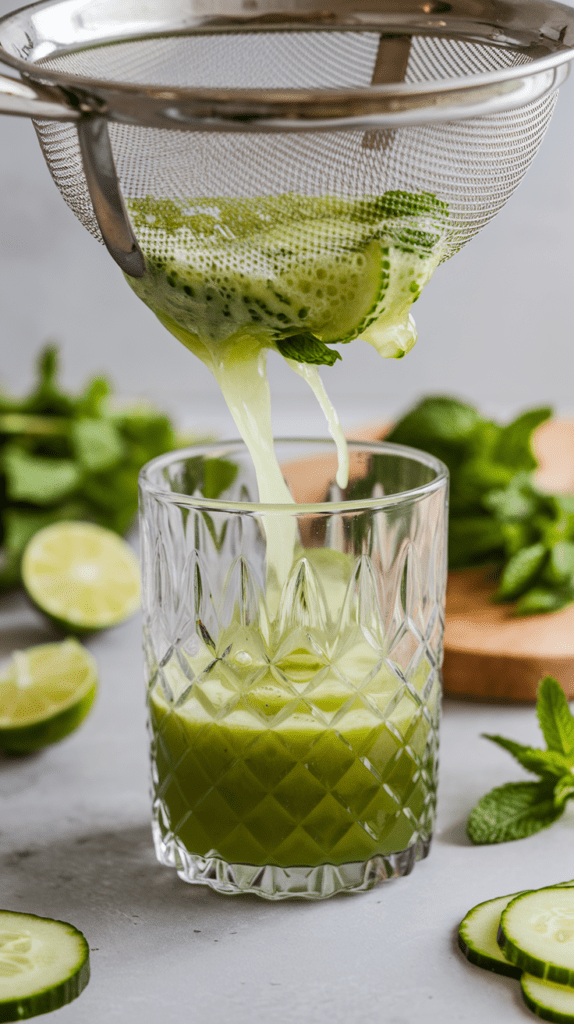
[{"x": 294, "y": 725}]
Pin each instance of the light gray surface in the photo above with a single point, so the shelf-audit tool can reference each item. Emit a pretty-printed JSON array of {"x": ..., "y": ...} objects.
[{"x": 76, "y": 844}]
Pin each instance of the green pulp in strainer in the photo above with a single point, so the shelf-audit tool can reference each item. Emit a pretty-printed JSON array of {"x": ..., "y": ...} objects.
[
  {"x": 292, "y": 269},
  {"x": 325, "y": 268}
]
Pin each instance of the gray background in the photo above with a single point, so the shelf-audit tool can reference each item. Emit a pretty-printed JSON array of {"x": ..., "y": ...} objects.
[{"x": 495, "y": 325}]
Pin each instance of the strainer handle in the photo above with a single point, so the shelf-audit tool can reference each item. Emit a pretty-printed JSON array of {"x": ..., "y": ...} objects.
[
  {"x": 106, "y": 196},
  {"x": 51, "y": 103},
  {"x": 42, "y": 101}
]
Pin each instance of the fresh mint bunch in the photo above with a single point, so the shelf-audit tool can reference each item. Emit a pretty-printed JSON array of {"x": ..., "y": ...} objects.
[
  {"x": 520, "y": 809},
  {"x": 65, "y": 456},
  {"x": 497, "y": 514}
]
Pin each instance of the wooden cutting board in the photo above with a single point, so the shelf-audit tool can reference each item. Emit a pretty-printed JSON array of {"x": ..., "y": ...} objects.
[{"x": 489, "y": 653}]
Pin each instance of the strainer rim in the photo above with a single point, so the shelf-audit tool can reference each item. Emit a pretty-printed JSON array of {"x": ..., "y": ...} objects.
[{"x": 96, "y": 94}]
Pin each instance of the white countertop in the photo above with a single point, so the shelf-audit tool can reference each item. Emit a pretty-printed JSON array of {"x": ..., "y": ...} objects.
[{"x": 75, "y": 843}]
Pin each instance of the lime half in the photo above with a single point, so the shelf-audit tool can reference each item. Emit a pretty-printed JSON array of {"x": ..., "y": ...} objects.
[
  {"x": 45, "y": 692},
  {"x": 81, "y": 576}
]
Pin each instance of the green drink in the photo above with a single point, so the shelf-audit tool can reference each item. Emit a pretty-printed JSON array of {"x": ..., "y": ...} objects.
[
  {"x": 294, "y": 728},
  {"x": 257, "y": 774}
]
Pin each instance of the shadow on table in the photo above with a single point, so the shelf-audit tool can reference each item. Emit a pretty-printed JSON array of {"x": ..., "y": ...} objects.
[
  {"x": 109, "y": 874},
  {"x": 455, "y": 835},
  {"x": 22, "y": 626}
]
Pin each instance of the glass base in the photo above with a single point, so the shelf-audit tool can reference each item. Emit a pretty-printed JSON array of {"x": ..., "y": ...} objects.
[{"x": 277, "y": 883}]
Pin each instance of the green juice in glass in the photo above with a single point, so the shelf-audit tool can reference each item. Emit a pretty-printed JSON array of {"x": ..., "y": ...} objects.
[
  {"x": 273, "y": 747},
  {"x": 325, "y": 778}
]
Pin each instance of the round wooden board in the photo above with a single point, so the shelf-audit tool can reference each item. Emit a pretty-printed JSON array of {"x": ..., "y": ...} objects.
[{"x": 489, "y": 653}]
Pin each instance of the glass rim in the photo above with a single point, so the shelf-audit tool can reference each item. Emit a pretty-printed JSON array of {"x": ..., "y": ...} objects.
[{"x": 223, "y": 448}]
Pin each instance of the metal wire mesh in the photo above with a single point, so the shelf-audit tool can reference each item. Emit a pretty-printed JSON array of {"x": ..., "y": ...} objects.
[{"x": 473, "y": 165}]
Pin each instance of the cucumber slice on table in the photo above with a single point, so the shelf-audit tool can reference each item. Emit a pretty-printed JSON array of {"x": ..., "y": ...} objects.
[
  {"x": 477, "y": 937},
  {"x": 44, "y": 964},
  {"x": 537, "y": 933},
  {"x": 548, "y": 1000},
  {"x": 478, "y": 934}
]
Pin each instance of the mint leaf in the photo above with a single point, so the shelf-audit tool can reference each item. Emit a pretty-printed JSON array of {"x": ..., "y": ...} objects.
[
  {"x": 560, "y": 568},
  {"x": 48, "y": 398},
  {"x": 398, "y": 203},
  {"x": 513, "y": 448},
  {"x": 564, "y": 790},
  {"x": 97, "y": 443},
  {"x": 541, "y": 762},
  {"x": 65, "y": 456},
  {"x": 556, "y": 722},
  {"x": 513, "y": 811},
  {"x": 305, "y": 348},
  {"x": 514, "y": 503},
  {"x": 441, "y": 425},
  {"x": 472, "y": 540},
  {"x": 497, "y": 514},
  {"x": 37, "y": 479},
  {"x": 520, "y": 571},
  {"x": 521, "y": 808},
  {"x": 541, "y": 600},
  {"x": 93, "y": 400}
]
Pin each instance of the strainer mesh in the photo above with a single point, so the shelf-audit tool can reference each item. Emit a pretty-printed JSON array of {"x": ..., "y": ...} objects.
[{"x": 473, "y": 165}]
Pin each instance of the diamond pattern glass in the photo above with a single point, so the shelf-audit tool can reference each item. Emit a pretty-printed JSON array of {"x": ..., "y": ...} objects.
[{"x": 293, "y": 723}]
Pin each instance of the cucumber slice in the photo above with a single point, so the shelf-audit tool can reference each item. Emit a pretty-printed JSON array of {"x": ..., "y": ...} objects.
[
  {"x": 477, "y": 937},
  {"x": 537, "y": 933},
  {"x": 548, "y": 1000},
  {"x": 478, "y": 934},
  {"x": 44, "y": 964}
]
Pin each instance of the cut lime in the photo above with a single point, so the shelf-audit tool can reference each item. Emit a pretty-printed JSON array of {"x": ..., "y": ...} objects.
[
  {"x": 45, "y": 692},
  {"x": 81, "y": 576}
]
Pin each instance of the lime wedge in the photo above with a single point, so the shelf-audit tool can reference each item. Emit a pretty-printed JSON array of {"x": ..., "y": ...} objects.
[
  {"x": 45, "y": 692},
  {"x": 82, "y": 576}
]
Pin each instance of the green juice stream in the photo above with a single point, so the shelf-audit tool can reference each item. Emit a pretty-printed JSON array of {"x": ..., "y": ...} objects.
[{"x": 285, "y": 765}]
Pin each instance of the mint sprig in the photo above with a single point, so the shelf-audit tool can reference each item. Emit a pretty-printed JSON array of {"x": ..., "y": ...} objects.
[
  {"x": 497, "y": 513},
  {"x": 520, "y": 809},
  {"x": 70, "y": 456}
]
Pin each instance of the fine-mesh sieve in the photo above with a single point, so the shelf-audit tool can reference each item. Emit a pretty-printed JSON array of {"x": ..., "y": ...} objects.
[{"x": 179, "y": 99}]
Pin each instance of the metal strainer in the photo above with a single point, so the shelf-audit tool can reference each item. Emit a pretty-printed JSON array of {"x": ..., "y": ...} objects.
[{"x": 246, "y": 98}]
